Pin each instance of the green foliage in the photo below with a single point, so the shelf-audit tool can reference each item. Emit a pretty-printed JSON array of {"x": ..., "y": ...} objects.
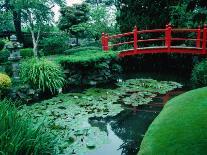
[
  {"x": 54, "y": 44},
  {"x": 101, "y": 20},
  {"x": 26, "y": 52},
  {"x": 42, "y": 74},
  {"x": 146, "y": 14},
  {"x": 189, "y": 13},
  {"x": 86, "y": 57},
  {"x": 71, "y": 17},
  {"x": 180, "y": 128},
  {"x": 2, "y": 44},
  {"x": 199, "y": 74},
  {"x": 6, "y": 23},
  {"x": 5, "y": 81},
  {"x": 4, "y": 54},
  {"x": 80, "y": 49},
  {"x": 18, "y": 136}
]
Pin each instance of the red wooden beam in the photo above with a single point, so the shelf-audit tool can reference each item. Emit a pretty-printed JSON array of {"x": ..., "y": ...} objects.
[{"x": 198, "y": 41}]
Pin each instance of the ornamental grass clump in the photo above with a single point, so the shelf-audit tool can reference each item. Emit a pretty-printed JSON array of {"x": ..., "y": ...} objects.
[
  {"x": 42, "y": 74},
  {"x": 18, "y": 136}
]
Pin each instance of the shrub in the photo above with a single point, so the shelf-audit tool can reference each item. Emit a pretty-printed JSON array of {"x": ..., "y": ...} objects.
[
  {"x": 180, "y": 128},
  {"x": 2, "y": 44},
  {"x": 26, "y": 52},
  {"x": 199, "y": 74},
  {"x": 5, "y": 81},
  {"x": 54, "y": 44},
  {"x": 18, "y": 136},
  {"x": 42, "y": 74},
  {"x": 4, "y": 54},
  {"x": 79, "y": 49}
]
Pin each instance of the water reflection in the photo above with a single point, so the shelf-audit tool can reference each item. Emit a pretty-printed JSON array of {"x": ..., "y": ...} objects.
[{"x": 125, "y": 132}]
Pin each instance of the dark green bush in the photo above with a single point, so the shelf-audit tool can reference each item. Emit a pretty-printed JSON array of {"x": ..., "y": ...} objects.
[
  {"x": 42, "y": 74},
  {"x": 18, "y": 136},
  {"x": 199, "y": 74},
  {"x": 26, "y": 52},
  {"x": 79, "y": 49},
  {"x": 4, "y": 54},
  {"x": 2, "y": 44},
  {"x": 54, "y": 44},
  {"x": 87, "y": 56}
]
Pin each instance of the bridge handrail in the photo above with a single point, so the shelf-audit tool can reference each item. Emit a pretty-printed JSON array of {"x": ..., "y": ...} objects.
[{"x": 167, "y": 37}]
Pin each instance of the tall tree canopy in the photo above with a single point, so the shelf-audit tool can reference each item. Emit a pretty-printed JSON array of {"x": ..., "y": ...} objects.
[
  {"x": 144, "y": 13},
  {"x": 189, "y": 13},
  {"x": 72, "y": 17}
]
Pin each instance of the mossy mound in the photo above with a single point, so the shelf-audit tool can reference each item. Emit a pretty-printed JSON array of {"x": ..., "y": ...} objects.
[{"x": 181, "y": 127}]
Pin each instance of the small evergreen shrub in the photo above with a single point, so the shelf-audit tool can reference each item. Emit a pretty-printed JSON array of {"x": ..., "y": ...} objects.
[
  {"x": 79, "y": 49},
  {"x": 42, "y": 74},
  {"x": 4, "y": 54},
  {"x": 26, "y": 52},
  {"x": 18, "y": 136},
  {"x": 5, "y": 81},
  {"x": 199, "y": 74},
  {"x": 2, "y": 44},
  {"x": 54, "y": 44}
]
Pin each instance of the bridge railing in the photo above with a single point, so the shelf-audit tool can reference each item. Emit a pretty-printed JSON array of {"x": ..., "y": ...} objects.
[{"x": 168, "y": 39}]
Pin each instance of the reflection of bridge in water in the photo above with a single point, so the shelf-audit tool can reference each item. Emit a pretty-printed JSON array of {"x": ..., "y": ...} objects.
[{"x": 197, "y": 47}]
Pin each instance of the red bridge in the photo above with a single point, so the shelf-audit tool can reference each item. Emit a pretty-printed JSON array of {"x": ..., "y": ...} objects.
[{"x": 198, "y": 45}]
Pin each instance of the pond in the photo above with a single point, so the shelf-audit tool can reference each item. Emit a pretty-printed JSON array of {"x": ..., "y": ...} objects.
[{"x": 103, "y": 121}]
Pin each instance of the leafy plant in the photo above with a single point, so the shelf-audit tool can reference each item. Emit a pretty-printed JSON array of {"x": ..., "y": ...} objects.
[
  {"x": 199, "y": 74},
  {"x": 2, "y": 44},
  {"x": 80, "y": 49},
  {"x": 26, "y": 52},
  {"x": 4, "y": 54},
  {"x": 42, "y": 74},
  {"x": 56, "y": 44},
  {"x": 18, "y": 136},
  {"x": 5, "y": 81}
]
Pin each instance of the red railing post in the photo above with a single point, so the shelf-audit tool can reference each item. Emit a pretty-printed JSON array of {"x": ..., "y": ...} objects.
[
  {"x": 135, "y": 38},
  {"x": 166, "y": 35},
  {"x": 107, "y": 42},
  {"x": 169, "y": 37},
  {"x": 104, "y": 40},
  {"x": 198, "y": 41},
  {"x": 204, "y": 40},
  {"x": 168, "y": 31}
]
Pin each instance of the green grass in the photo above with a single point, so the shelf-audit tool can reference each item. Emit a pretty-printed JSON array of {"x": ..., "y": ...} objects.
[
  {"x": 18, "y": 136},
  {"x": 181, "y": 127},
  {"x": 85, "y": 56}
]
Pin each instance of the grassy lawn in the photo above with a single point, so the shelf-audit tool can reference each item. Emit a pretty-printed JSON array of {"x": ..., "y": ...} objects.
[{"x": 180, "y": 128}]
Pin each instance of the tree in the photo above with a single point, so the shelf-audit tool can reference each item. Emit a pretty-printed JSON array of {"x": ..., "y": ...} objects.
[
  {"x": 146, "y": 14},
  {"x": 72, "y": 17},
  {"x": 35, "y": 15},
  {"x": 102, "y": 19},
  {"x": 189, "y": 13},
  {"x": 98, "y": 2}
]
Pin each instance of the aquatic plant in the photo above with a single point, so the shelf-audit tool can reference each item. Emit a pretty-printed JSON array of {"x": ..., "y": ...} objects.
[{"x": 67, "y": 115}]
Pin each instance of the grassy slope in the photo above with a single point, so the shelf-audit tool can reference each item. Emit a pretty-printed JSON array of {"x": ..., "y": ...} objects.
[{"x": 181, "y": 128}]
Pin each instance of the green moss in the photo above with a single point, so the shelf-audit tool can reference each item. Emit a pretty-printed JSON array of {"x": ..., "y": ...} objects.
[
  {"x": 85, "y": 56},
  {"x": 180, "y": 128}
]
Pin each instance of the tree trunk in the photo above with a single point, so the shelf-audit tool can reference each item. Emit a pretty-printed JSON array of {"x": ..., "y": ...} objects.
[
  {"x": 35, "y": 52},
  {"x": 17, "y": 24},
  {"x": 77, "y": 43}
]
